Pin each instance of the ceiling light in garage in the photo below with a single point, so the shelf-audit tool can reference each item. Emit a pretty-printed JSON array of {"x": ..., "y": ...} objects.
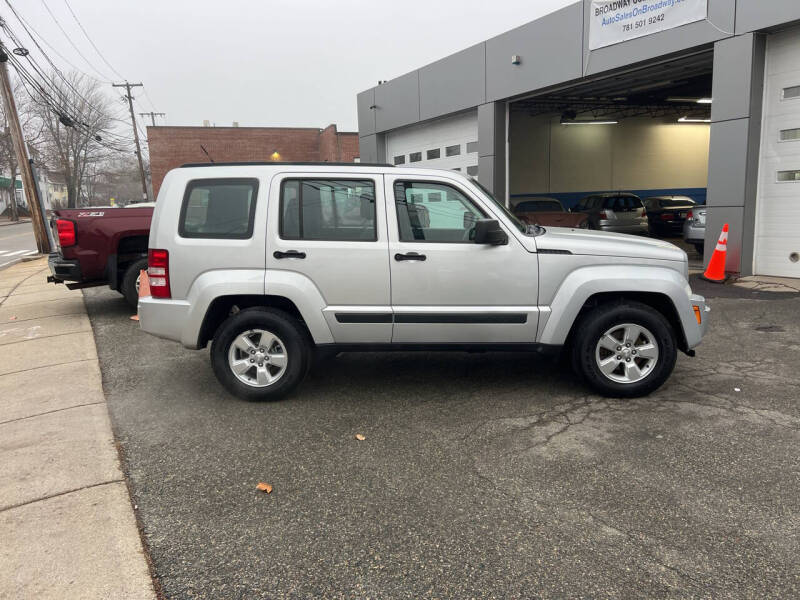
[
  {"x": 704, "y": 101},
  {"x": 589, "y": 122},
  {"x": 685, "y": 100},
  {"x": 688, "y": 120}
]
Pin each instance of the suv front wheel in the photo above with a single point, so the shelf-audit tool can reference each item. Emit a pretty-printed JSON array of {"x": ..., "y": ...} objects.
[
  {"x": 624, "y": 350},
  {"x": 260, "y": 354}
]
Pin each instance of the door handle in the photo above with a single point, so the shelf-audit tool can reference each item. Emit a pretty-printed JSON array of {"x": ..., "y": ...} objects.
[
  {"x": 410, "y": 256},
  {"x": 288, "y": 254}
]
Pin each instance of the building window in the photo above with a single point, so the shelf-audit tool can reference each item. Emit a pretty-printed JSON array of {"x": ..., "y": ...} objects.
[
  {"x": 790, "y": 135},
  {"x": 330, "y": 210},
  {"x": 789, "y": 175},
  {"x": 400, "y": 160},
  {"x": 472, "y": 147},
  {"x": 218, "y": 208},
  {"x": 473, "y": 170},
  {"x": 453, "y": 150},
  {"x": 790, "y": 93},
  {"x": 431, "y": 154},
  {"x": 415, "y": 157}
]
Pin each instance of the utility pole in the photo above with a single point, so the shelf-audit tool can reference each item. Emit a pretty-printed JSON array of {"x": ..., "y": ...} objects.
[
  {"x": 39, "y": 226},
  {"x": 153, "y": 116},
  {"x": 128, "y": 87}
]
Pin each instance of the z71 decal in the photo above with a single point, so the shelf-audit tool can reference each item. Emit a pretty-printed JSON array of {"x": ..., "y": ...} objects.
[{"x": 93, "y": 213}]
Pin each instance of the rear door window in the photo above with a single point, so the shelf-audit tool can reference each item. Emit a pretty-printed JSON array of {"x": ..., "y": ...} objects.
[
  {"x": 328, "y": 210},
  {"x": 218, "y": 208}
]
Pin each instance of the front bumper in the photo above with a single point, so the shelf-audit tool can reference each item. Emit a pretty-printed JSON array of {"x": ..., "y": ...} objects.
[
  {"x": 695, "y": 334},
  {"x": 63, "y": 269}
]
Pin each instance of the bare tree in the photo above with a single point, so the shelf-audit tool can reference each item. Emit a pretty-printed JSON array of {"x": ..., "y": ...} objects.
[{"x": 74, "y": 132}]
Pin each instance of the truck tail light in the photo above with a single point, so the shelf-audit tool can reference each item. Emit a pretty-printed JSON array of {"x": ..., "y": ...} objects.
[
  {"x": 66, "y": 232},
  {"x": 158, "y": 273}
]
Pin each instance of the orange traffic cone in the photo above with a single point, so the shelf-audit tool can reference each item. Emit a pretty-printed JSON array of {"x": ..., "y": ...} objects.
[
  {"x": 716, "y": 266},
  {"x": 144, "y": 289}
]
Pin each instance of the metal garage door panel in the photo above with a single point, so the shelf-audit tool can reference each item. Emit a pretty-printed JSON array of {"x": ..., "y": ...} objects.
[
  {"x": 778, "y": 207},
  {"x": 460, "y": 130}
]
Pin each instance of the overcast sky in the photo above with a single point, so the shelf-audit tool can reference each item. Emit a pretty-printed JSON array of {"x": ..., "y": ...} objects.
[{"x": 265, "y": 62}]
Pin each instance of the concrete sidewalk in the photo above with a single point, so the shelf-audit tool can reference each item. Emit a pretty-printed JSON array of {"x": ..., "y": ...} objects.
[{"x": 67, "y": 525}]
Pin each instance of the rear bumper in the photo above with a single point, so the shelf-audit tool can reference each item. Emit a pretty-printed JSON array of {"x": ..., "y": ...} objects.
[
  {"x": 63, "y": 269},
  {"x": 693, "y": 234},
  {"x": 166, "y": 319}
]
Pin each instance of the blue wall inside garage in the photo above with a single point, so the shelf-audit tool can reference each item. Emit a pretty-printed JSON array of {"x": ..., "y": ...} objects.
[{"x": 571, "y": 199}]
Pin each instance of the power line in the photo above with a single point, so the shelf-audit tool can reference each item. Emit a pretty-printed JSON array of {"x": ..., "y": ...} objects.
[
  {"x": 96, "y": 49},
  {"x": 69, "y": 39}
]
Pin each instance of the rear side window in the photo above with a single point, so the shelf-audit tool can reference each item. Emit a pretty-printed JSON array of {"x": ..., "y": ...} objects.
[
  {"x": 622, "y": 202},
  {"x": 333, "y": 210},
  {"x": 218, "y": 208}
]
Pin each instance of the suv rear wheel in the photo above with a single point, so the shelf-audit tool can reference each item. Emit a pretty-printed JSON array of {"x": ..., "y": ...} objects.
[
  {"x": 624, "y": 350},
  {"x": 260, "y": 354}
]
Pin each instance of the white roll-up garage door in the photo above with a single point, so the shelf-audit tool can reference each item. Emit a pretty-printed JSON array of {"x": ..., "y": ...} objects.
[
  {"x": 777, "y": 244},
  {"x": 449, "y": 143}
]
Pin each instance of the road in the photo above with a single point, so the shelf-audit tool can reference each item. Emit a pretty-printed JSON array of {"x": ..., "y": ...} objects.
[
  {"x": 16, "y": 241},
  {"x": 482, "y": 475}
]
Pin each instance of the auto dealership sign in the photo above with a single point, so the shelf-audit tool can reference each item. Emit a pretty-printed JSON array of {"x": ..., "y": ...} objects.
[{"x": 614, "y": 21}]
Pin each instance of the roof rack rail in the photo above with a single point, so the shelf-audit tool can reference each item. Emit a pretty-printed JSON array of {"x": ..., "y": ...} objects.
[{"x": 288, "y": 163}]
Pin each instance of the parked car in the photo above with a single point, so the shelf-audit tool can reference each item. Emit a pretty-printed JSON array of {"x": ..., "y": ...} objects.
[
  {"x": 548, "y": 211},
  {"x": 694, "y": 229},
  {"x": 667, "y": 214},
  {"x": 100, "y": 246},
  {"x": 271, "y": 262},
  {"x": 617, "y": 212}
]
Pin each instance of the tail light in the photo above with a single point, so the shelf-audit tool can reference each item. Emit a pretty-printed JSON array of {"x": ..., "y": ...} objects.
[
  {"x": 602, "y": 215},
  {"x": 690, "y": 215},
  {"x": 644, "y": 212},
  {"x": 66, "y": 232},
  {"x": 158, "y": 273}
]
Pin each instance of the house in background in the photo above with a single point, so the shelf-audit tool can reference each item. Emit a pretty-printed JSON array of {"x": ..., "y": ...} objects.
[
  {"x": 6, "y": 193},
  {"x": 171, "y": 147}
]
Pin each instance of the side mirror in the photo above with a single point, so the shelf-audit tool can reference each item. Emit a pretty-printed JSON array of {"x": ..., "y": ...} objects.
[{"x": 488, "y": 231}]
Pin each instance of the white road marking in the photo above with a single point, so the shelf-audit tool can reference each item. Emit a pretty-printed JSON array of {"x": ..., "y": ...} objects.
[{"x": 17, "y": 252}]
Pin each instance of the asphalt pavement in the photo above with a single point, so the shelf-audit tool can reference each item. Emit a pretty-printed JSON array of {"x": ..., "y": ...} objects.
[
  {"x": 480, "y": 476},
  {"x": 16, "y": 241}
]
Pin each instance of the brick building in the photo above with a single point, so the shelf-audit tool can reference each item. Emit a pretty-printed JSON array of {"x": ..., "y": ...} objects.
[{"x": 171, "y": 147}]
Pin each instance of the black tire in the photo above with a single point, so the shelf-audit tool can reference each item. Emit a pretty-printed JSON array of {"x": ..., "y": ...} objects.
[
  {"x": 700, "y": 248},
  {"x": 597, "y": 322},
  {"x": 297, "y": 346},
  {"x": 128, "y": 287}
]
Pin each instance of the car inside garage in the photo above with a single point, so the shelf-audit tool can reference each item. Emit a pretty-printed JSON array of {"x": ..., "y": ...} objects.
[{"x": 630, "y": 149}]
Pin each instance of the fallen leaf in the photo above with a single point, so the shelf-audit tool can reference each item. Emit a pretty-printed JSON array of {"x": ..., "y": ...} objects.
[
  {"x": 264, "y": 487},
  {"x": 360, "y": 437},
  {"x": 135, "y": 318}
]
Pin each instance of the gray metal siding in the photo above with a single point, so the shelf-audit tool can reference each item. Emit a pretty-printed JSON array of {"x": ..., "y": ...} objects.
[
  {"x": 453, "y": 83},
  {"x": 397, "y": 102},
  {"x": 368, "y": 148},
  {"x": 550, "y": 49},
  {"x": 733, "y": 63},
  {"x": 752, "y": 15},
  {"x": 366, "y": 115}
]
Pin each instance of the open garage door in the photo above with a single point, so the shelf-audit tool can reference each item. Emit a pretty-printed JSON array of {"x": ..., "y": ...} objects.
[
  {"x": 643, "y": 132},
  {"x": 450, "y": 143},
  {"x": 778, "y": 213}
]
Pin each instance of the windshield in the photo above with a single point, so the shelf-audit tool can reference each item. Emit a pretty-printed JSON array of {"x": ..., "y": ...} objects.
[
  {"x": 539, "y": 206},
  {"x": 622, "y": 202},
  {"x": 523, "y": 228}
]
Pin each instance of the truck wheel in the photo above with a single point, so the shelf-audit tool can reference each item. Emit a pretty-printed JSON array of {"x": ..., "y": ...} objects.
[
  {"x": 624, "y": 350},
  {"x": 260, "y": 353},
  {"x": 130, "y": 281}
]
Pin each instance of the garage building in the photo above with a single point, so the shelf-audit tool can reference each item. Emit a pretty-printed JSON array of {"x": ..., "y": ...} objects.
[{"x": 699, "y": 98}]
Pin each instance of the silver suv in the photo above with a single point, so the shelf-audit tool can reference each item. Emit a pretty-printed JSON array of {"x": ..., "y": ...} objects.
[{"x": 274, "y": 262}]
